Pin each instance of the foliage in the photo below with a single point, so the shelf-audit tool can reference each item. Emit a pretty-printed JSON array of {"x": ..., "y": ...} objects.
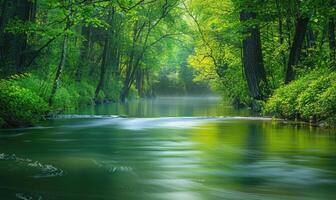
[
  {"x": 19, "y": 106},
  {"x": 83, "y": 52},
  {"x": 311, "y": 97}
]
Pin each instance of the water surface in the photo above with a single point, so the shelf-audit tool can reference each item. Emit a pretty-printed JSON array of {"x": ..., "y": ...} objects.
[{"x": 167, "y": 148}]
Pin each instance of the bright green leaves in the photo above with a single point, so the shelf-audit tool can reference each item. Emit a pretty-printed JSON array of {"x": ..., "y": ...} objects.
[
  {"x": 310, "y": 98},
  {"x": 19, "y": 106}
]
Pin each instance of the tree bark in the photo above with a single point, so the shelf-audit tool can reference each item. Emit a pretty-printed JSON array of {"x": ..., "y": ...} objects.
[
  {"x": 59, "y": 69},
  {"x": 295, "y": 51},
  {"x": 14, "y": 48},
  {"x": 332, "y": 39},
  {"x": 103, "y": 68},
  {"x": 84, "y": 52},
  {"x": 281, "y": 34},
  {"x": 252, "y": 58},
  {"x": 62, "y": 60},
  {"x": 140, "y": 82},
  {"x": 132, "y": 62},
  {"x": 106, "y": 54}
]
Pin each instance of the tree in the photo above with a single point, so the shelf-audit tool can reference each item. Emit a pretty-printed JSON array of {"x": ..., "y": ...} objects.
[
  {"x": 61, "y": 64},
  {"x": 295, "y": 51},
  {"x": 252, "y": 57},
  {"x": 14, "y": 47}
]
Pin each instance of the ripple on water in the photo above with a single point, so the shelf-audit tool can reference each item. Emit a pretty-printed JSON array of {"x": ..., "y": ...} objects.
[
  {"x": 26, "y": 197},
  {"x": 282, "y": 172},
  {"x": 149, "y": 123},
  {"x": 44, "y": 170},
  {"x": 113, "y": 167}
]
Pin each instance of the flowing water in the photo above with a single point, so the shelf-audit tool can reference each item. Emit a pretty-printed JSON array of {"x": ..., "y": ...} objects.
[{"x": 167, "y": 148}]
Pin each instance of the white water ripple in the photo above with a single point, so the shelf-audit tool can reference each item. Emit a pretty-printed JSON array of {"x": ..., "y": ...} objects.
[
  {"x": 45, "y": 170},
  {"x": 150, "y": 123}
]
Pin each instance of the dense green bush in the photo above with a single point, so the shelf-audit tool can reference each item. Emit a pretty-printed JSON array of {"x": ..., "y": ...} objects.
[
  {"x": 40, "y": 86},
  {"x": 311, "y": 97},
  {"x": 64, "y": 100},
  {"x": 19, "y": 106},
  {"x": 70, "y": 95},
  {"x": 23, "y": 99}
]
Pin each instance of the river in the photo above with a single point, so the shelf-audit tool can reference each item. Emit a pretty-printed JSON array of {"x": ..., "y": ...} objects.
[{"x": 189, "y": 148}]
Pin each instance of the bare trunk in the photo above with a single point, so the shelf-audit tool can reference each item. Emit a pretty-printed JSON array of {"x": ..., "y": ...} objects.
[
  {"x": 332, "y": 39},
  {"x": 140, "y": 82},
  {"x": 59, "y": 69},
  {"x": 252, "y": 58},
  {"x": 129, "y": 79},
  {"x": 106, "y": 60},
  {"x": 295, "y": 51},
  {"x": 103, "y": 68},
  {"x": 281, "y": 35},
  {"x": 84, "y": 52}
]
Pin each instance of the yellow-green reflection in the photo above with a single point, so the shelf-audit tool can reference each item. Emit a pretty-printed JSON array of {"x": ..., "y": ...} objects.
[{"x": 168, "y": 158}]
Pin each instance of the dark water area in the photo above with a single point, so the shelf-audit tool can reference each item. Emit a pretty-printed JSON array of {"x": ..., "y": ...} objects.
[{"x": 190, "y": 148}]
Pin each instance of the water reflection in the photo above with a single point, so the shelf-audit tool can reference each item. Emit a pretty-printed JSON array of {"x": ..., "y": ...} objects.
[
  {"x": 167, "y": 107},
  {"x": 169, "y": 158}
]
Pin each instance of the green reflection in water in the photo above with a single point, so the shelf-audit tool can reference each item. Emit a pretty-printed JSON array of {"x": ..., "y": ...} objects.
[{"x": 167, "y": 158}]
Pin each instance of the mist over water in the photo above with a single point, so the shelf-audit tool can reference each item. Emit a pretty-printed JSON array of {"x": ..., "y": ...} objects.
[{"x": 167, "y": 148}]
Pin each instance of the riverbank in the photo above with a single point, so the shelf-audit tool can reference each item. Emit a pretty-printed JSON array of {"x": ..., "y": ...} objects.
[
  {"x": 311, "y": 99},
  {"x": 24, "y": 99}
]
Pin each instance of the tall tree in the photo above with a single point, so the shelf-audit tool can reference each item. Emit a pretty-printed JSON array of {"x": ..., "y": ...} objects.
[
  {"x": 14, "y": 48},
  {"x": 252, "y": 56},
  {"x": 295, "y": 51},
  {"x": 60, "y": 67},
  {"x": 142, "y": 30},
  {"x": 332, "y": 32},
  {"x": 84, "y": 52},
  {"x": 105, "y": 64}
]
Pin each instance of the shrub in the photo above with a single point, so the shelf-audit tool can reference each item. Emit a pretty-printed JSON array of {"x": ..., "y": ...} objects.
[
  {"x": 310, "y": 97},
  {"x": 64, "y": 100},
  {"x": 283, "y": 102},
  {"x": 39, "y": 86},
  {"x": 19, "y": 106},
  {"x": 327, "y": 101},
  {"x": 309, "y": 102}
]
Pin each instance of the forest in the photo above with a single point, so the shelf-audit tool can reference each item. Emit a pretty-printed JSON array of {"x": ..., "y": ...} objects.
[{"x": 276, "y": 57}]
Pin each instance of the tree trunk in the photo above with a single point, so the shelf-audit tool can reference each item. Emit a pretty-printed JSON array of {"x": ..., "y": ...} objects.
[
  {"x": 103, "y": 68},
  {"x": 280, "y": 29},
  {"x": 84, "y": 52},
  {"x": 106, "y": 60},
  {"x": 140, "y": 82},
  {"x": 130, "y": 64},
  {"x": 295, "y": 51},
  {"x": 130, "y": 73},
  {"x": 59, "y": 69},
  {"x": 14, "y": 48},
  {"x": 332, "y": 39},
  {"x": 62, "y": 60},
  {"x": 310, "y": 36},
  {"x": 252, "y": 58}
]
